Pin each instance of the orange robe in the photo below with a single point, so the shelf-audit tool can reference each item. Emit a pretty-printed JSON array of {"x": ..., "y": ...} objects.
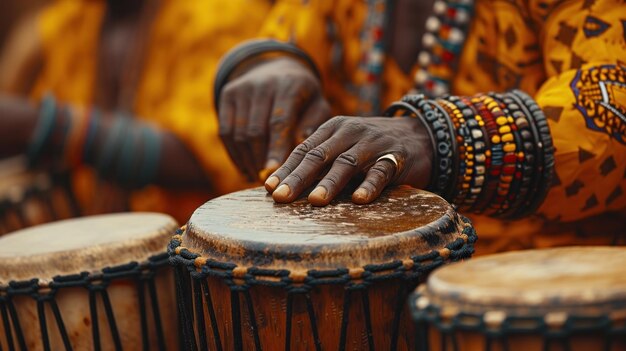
[{"x": 185, "y": 43}]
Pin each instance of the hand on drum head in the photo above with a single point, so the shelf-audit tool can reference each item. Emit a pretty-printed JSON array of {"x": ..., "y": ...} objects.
[
  {"x": 347, "y": 147},
  {"x": 265, "y": 111}
]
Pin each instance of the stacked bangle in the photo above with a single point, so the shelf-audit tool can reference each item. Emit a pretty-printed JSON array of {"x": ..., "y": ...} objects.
[
  {"x": 43, "y": 130},
  {"x": 493, "y": 152}
]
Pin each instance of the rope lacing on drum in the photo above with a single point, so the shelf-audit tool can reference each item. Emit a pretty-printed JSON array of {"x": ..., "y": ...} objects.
[
  {"x": 96, "y": 283},
  {"x": 498, "y": 326},
  {"x": 192, "y": 267}
]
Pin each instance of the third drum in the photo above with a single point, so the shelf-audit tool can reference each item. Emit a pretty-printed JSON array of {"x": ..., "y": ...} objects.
[
  {"x": 255, "y": 275},
  {"x": 564, "y": 299}
]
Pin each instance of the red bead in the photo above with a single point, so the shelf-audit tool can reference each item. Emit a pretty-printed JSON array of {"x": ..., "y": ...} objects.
[
  {"x": 430, "y": 84},
  {"x": 451, "y": 12},
  {"x": 508, "y": 170},
  {"x": 371, "y": 77},
  {"x": 495, "y": 172},
  {"x": 378, "y": 33},
  {"x": 518, "y": 175},
  {"x": 447, "y": 56},
  {"x": 510, "y": 158}
]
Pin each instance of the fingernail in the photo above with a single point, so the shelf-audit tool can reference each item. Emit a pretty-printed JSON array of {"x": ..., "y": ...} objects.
[
  {"x": 282, "y": 191},
  {"x": 320, "y": 192},
  {"x": 360, "y": 195},
  {"x": 271, "y": 183}
]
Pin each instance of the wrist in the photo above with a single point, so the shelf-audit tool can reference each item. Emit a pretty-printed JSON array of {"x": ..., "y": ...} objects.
[{"x": 251, "y": 50}]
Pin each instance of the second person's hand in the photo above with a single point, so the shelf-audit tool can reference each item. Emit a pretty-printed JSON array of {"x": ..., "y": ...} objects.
[{"x": 267, "y": 110}]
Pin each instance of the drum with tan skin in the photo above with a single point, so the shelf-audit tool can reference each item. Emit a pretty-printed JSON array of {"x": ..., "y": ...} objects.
[
  {"x": 255, "y": 275},
  {"x": 30, "y": 197},
  {"x": 564, "y": 299},
  {"x": 46, "y": 303}
]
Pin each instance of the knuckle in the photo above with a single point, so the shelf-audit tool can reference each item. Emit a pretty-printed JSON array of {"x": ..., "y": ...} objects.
[
  {"x": 380, "y": 172},
  {"x": 302, "y": 149},
  {"x": 348, "y": 159},
  {"x": 318, "y": 154},
  {"x": 255, "y": 132},
  {"x": 331, "y": 181},
  {"x": 279, "y": 121},
  {"x": 240, "y": 137}
]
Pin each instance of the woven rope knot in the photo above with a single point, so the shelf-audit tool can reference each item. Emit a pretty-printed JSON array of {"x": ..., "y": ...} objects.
[
  {"x": 199, "y": 262},
  {"x": 356, "y": 273},
  {"x": 240, "y": 272},
  {"x": 297, "y": 277}
]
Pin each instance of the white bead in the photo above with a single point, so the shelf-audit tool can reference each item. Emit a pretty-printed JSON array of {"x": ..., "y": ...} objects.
[
  {"x": 433, "y": 24},
  {"x": 440, "y": 7},
  {"x": 376, "y": 56},
  {"x": 478, "y": 181},
  {"x": 439, "y": 89},
  {"x": 423, "y": 58},
  {"x": 456, "y": 36},
  {"x": 476, "y": 133},
  {"x": 428, "y": 40},
  {"x": 461, "y": 16},
  {"x": 480, "y": 169},
  {"x": 421, "y": 76}
]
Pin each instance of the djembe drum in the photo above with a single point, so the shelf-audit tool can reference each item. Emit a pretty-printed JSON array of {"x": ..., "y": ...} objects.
[
  {"x": 29, "y": 197},
  {"x": 92, "y": 283},
  {"x": 565, "y": 299},
  {"x": 255, "y": 275}
]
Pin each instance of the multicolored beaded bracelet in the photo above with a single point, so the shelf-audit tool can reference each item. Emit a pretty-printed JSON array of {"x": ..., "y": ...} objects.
[
  {"x": 494, "y": 151},
  {"x": 545, "y": 146},
  {"x": 526, "y": 164}
]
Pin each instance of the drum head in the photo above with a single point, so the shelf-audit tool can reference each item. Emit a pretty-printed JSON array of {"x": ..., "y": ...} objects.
[
  {"x": 248, "y": 228},
  {"x": 83, "y": 244},
  {"x": 562, "y": 279}
]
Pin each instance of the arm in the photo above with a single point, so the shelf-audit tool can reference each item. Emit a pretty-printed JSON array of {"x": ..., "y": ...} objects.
[
  {"x": 21, "y": 57},
  {"x": 273, "y": 101},
  {"x": 129, "y": 151},
  {"x": 584, "y": 107}
]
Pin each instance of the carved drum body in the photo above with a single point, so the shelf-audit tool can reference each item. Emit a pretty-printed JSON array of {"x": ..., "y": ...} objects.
[{"x": 255, "y": 275}]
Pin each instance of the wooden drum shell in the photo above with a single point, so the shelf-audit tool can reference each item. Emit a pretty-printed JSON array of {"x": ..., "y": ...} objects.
[
  {"x": 563, "y": 302},
  {"x": 114, "y": 272},
  {"x": 298, "y": 299}
]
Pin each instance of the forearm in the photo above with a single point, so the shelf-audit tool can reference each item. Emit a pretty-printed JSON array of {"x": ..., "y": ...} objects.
[{"x": 121, "y": 148}]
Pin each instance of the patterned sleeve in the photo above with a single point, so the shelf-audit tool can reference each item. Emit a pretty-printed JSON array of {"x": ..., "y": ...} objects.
[
  {"x": 584, "y": 99},
  {"x": 569, "y": 55}
]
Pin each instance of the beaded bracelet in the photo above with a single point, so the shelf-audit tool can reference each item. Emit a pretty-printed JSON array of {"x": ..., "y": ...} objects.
[
  {"x": 521, "y": 188},
  {"x": 445, "y": 151},
  {"x": 476, "y": 137},
  {"x": 463, "y": 139},
  {"x": 151, "y": 142},
  {"x": 493, "y": 152},
  {"x": 127, "y": 160},
  {"x": 43, "y": 130},
  {"x": 114, "y": 139},
  {"x": 545, "y": 146},
  {"x": 93, "y": 126}
]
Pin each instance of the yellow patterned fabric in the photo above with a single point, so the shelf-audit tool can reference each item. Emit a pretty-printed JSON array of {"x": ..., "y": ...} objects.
[
  {"x": 569, "y": 55},
  {"x": 175, "y": 90}
]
